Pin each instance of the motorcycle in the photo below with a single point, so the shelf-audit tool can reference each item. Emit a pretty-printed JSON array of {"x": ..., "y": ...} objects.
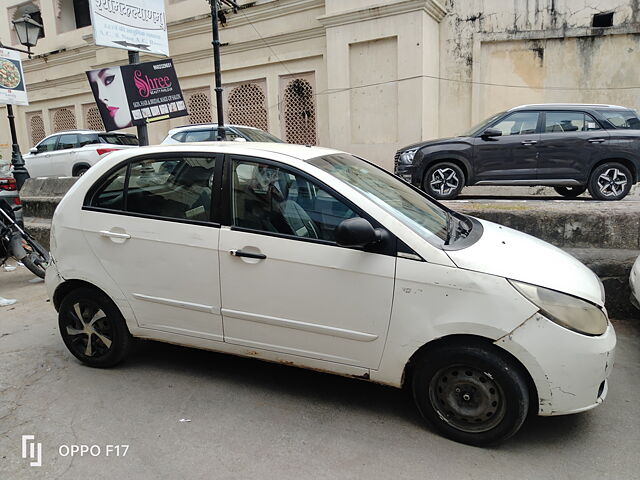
[{"x": 16, "y": 242}]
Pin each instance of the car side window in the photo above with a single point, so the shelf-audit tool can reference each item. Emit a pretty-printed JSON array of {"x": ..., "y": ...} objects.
[
  {"x": 48, "y": 144},
  {"x": 200, "y": 136},
  {"x": 67, "y": 141},
  {"x": 273, "y": 199},
  {"x": 518, "y": 123},
  {"x": 567, "y": 122},
  {"x": 87, "y": 139},
  {"x": 177, "y": 188}
]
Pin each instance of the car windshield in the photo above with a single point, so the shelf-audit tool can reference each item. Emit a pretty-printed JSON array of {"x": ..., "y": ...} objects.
[
  {"x": 256, "y": 135},
  {"x": 625, "y": 119},
  {"x": 481, "y": 126},
  {"x": 117, "y": 139},
  {"x": 413, "y": 209}
]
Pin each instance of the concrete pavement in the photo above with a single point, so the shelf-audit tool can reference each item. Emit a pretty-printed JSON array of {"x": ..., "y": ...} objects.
[{"x": 242, "y": 418}]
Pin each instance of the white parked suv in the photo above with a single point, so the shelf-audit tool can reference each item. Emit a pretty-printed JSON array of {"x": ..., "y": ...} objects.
[
  {"x": 72, "y": 153},
  {"x": 315, "y": 258},
  {"x": 208, "y": 132}
]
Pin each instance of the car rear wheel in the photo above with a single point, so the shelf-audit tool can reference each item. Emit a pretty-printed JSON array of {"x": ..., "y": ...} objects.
[
  {"x": 93, "y": 328},
  {"x": 610, "y": 181},
  {"x": 471, "y": 394},
  {"x": 80, "y": 171},
  {"x": 443, "y": 181},
  {"x": 570, "y": 192}
]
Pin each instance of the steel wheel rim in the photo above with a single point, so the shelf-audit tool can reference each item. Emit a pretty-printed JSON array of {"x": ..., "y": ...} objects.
[
  {"x": 88, "y": 329},
  {"x": 612, "y": 182},
  {"x": 467, "y": 398},
  {"x": 444, "y": 181}
]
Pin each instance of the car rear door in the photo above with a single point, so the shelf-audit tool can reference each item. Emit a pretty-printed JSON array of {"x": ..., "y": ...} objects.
[
  {"x": 571, "y": 142},
  {"x": 152, "y": 229},
  {"x": 511, "y": 157},
  {"x": 64, "y": 156},
  {"x": 286, "y": 285}
]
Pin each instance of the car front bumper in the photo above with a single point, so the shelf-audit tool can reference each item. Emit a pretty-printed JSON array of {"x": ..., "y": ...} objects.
[{"x": 569, "y": 370}]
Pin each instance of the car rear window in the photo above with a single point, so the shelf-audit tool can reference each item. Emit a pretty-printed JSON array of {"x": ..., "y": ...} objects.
[
  {"x": 255, "y": 135},
  {"x": 624, "y": 119},
  {"x": 116, "y": 139}
]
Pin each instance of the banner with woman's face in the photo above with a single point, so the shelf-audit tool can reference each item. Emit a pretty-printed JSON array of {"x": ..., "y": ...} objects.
[{"x": 137, "y": 94}]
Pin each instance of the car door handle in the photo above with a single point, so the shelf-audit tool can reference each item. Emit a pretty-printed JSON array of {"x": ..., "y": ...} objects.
[
  {"x": 596, "y": 140},
  {"x": 529, "y": 142},
  {"x": 107, "y": 233},
  {"x": 240, "y": 253}
]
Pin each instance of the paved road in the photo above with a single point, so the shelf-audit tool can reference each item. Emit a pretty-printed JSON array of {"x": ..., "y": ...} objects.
[{"x": 250, "y": 419}]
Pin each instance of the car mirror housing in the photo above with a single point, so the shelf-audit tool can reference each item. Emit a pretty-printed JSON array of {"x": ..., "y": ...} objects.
[
  {"x": 33, "y": 150},
  {"x": 491, "y": 132},
  {"x": 356, "y": 232}
]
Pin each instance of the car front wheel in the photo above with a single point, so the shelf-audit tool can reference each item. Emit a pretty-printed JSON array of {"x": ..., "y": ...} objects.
[
  {"x": 471, "y": 394},
  {"x": 444, "y": 181},
  {"x": 610, "y": 181},
  {"x": 93, "y": 328},
  {"x": 570, "y": 192}
]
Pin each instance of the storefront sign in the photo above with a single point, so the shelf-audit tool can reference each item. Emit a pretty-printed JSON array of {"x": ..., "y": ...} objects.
[
  {"x": 139, "y": 25},
  {"x": 137, "y": 94},
  {"x": 12, "y": 87}
]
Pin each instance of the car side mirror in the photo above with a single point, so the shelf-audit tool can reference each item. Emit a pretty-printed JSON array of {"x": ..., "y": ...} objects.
[
  {"x": 33, "y": 150},
  {"x": 356, "y": 232},
  {"x": 491, "y": 132},
  {"x": 239, "y": 139}
]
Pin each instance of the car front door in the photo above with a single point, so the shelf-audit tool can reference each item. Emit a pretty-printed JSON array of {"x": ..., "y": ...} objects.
[
  {"x": 570, "y": 144},
  {"x": 286, "y": 285},
  {"x": 511, "y": 157},
  {"x": 39, "y": 164},
  {"x": 150, "y": 225}
]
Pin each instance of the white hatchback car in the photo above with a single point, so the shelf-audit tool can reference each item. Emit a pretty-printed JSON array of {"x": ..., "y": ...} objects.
[
  {"x": 72, "y": 153},
  {"x": 315, "y": 258}
]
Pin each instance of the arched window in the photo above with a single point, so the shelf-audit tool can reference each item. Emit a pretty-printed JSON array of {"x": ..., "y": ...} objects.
[
  {"x": 199, "y": 105},
  {"x": 299, "y": 110},
  {"x": 247, "y": 106},
  {"x": 92, "y": 118},
  {"x": 64, "y": 119},
  {"x": 36, "y": 127}
]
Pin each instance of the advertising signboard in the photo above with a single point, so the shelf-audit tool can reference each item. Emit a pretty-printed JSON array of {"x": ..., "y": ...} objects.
[
  {"x": 138, "y": 25},
  {"x": 12, "y": 87},
  {"x": 137, "y": 94}
]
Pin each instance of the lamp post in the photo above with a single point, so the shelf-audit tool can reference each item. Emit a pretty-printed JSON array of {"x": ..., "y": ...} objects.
[{"x": 28, "y": 32}]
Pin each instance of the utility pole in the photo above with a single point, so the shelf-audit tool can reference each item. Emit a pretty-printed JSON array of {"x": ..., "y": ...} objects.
[
  {"x": 143, "y": 132},
  {"x": 216, "y": 62}
]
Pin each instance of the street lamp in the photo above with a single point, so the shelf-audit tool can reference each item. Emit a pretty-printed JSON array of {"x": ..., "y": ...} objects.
[{"x": 28, "y": 32}]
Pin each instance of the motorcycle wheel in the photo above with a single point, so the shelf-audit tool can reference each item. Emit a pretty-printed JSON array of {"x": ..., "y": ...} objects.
[{"x": 37, "y": 257}]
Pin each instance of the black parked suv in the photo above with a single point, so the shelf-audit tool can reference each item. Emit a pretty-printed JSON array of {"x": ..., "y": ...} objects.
[{"x": 566, "y": 146}]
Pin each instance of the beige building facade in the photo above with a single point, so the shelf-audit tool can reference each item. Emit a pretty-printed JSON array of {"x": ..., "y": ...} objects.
[{"x": 366, "y": 76}]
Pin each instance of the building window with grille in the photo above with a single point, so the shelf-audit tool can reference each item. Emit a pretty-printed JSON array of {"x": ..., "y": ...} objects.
[
  {"x": 36, "y": 127},
  {"x": 298, "y": 108},
  {"x": 64, "y": 119},
  {"x": 92, "y": 118},
  {"x": 198, "y": 105},
  {"x": 247, "y": 105}
]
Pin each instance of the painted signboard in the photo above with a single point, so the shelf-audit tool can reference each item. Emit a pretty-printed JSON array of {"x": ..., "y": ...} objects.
[
  {"x": 137, "y": 94},
  {"x": 12, "y": 85},
  {"x": 138, "y": 25}
]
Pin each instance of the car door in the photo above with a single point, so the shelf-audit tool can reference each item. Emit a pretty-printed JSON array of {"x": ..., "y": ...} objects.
[
  {"x": 570, "y": 144},
  {"x": 64, "y": 156},
  {"x": 511, "y": 157},
  {"x": 151, "y": 228},
  {"x": 286, "y": 285},
  {"x": 39, "y": 164}
]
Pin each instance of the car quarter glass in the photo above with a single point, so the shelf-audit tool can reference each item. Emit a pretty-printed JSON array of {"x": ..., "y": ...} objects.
[{"x": 273, "y": 199}]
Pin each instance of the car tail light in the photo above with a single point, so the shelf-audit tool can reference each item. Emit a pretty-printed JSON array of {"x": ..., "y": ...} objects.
[
  {"x": 17, "y": 201},
  {"x": 8, "y": 184},
  {"x": 102, "y": 151}
]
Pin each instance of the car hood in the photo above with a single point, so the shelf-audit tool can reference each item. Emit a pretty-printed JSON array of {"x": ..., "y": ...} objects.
[
  {"x": 515, "y": 255},
  {"x": 430, "y": 143}
]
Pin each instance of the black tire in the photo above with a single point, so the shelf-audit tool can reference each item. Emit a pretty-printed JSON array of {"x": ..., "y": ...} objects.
[
  {"x": 471, "y": 394},
  {"x": 570, "y": 192},
  {"x": 108, "y": 337},
  {"x": 37, "y": 258},
  {"x": 443, "y": 181},
  {"x": 610, "y": 181},
  {"x": 80, "y": 171}
]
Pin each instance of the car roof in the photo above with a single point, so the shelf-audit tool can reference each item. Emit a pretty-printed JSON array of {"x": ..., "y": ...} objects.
[
  {"x": 63, "y": 132},
  {"x": 567, "y": 106},
  {"x": 296, "y": 152},
  {"x": 207, "y": 125}
]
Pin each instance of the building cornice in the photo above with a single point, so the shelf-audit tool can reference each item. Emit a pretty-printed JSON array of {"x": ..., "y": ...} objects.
[
  {"x": 396, "y": 7},
  {"x": 576, "y": 32}
]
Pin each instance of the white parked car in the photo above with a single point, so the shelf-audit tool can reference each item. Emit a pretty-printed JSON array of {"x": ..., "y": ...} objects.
[
  {"x": 72, "y": 153},
  {"x": 315, "y": 258},
  {"x": 208, "y": 132},
  {"x": 634, "y": 283}
]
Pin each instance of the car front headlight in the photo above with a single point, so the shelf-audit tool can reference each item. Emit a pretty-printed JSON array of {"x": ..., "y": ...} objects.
[
  {"x": 565, "y": 310},
  {"x": 407, "y": 155}
]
